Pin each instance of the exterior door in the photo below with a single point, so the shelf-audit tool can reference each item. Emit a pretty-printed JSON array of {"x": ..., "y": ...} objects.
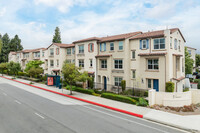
[
  {"x": 105, "y": 83},
  {"x": 156, "y": 84}
]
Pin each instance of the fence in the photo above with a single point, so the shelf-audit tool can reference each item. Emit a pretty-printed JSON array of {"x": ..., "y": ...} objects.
[{"x": 130, "y": 91}]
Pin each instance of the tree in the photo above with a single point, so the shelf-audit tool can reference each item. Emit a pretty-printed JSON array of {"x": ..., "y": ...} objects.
[
  {"x": 197, "y": 60},
  {"x": 35, "y": 71},
  {"x": 5, "y": 48},
  {"x": 3, "y": 67},
  {"x": 188, "y": 62},
  {"x": 14, "y": 67},
  {"x": 15, "y": 44},
  {"x": 57, "y": 36},
  {"x": 71, "y": 74},
  {"x": 83, "y": 77},
  {"x": 33, "y": 66},
  {"x": 1, "y": 45}
]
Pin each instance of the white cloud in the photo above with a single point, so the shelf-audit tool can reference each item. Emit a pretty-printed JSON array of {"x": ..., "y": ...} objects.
[{"x": 2, "y": 12}]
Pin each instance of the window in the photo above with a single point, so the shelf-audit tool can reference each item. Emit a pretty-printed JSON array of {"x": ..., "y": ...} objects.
[
  {"x": 120, "y": 45},
  {"x": 149, "y": 83},
  {"x": 68, "y": 51},
  {"x": 170, "y": 42},
  {"x": 81, "y": 63},
  {"x": 133, "y": 54},
  {"x": 178, "y": 64},
  {"x": 73, "y": 61},
  {"x": 91, "y": 64},
  {"x": 42, "y": 54},
  {"x": 118, "y": 64},
  {"x": 133, "y": 74},
  {"x": 51, "y": 52},
  {"x": 153, "y": 64},
  {"x": 175, "y": 44},
  {"x": 102, "y": 46},
  {"x": 111, "y": 46},
  {"x": 57, "y": 51},
  {"x": 190, "y": 52},
  {"x": 144, "y": 44},
  {"x": 90, "y": 49},
  {"x": 51, "y": 63},
  {"x": 103, "y": 63},
  {"x": 159, "y": 43},
  {"x": 179, "y": 44},
  {"x": 118, "y": 81},
  {"x": 73, "y": 50},
  {"x": 81, "y": 49},
  {"x": 57, "y": 62}
]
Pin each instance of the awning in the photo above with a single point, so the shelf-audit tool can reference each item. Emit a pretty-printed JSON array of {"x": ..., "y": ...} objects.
[
  {"x": 106, "y": 55},
  {"x": 152, "y": 54}
]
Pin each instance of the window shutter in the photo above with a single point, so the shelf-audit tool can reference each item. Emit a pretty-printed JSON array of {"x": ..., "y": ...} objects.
[
  {"x": 147, "y": 43},
  {"x": 140, "y": 44},
  {"x": 104, "y": 46},
  {"x": 88, "y": 47},
  {"x": 93, "y": 47},
  {"x": 100, "y": 46}
]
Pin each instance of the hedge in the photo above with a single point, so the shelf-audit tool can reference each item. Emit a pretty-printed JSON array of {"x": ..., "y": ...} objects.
[
  {"x": 142, "y": 102},
  {"x": 169, "y": 87},
  {"x": 118, "y": 98},
  {"x": 196, "y": 80}
]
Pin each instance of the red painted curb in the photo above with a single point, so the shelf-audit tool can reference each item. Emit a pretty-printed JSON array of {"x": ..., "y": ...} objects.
[{"x": 80, "y": 99}]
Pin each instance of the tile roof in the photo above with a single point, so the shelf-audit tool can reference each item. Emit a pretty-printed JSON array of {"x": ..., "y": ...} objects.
[
  {"x": 177, "y": 54},
  {"x": 191, "y": 48},
  {"x": 88, "y": 39},
  {"x": 64, "y": 45},
  {"x": 159, "y": 33},
  {"x": 151, "y": 54},
  {"x": 119, "y": 37},
  {"x": 13, "y": 53},
  {"x": 110, "y": 38},
  {"x": 32, "y": 50}
]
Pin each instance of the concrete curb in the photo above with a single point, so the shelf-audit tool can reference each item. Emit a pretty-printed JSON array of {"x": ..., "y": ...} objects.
[{"x": 80, "y": 99}]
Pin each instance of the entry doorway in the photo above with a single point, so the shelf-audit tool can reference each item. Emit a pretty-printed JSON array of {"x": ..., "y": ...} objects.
[
  {"x": 105, "y": 82},
  {"x": 156, "y": 84}
]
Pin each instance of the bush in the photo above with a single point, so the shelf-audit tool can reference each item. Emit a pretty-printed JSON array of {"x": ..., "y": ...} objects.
[
  {"x": 68, "y": 87},
  {"x": 89, "y": 91},
  {"x": 21, "y": 73},
  {"x": 127, "y": 92},
  {"x": 142, "y": 102},
  {"x": 197, "y": 70},
  {"x": 95, "y": 94},
  {"x": 169, "y": 87},
  {"x": 123, "y": 85},
  {"x": 119, "y": 98},
  {"x": 198, "y": 85},
  {"x": 98, "y": 92},
  {"x": 191, "y": 80},
  {"x": 146, "y": 93},
  {"x": 196, "y": 80},
  {"x": 186, "y": 89}
]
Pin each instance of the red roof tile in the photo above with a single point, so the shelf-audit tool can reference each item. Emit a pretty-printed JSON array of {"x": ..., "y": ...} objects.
[
  {"x": 87, "y": 39},
  {"x": 119, "y": 37},
  {"x": 179, "y": 79},
  {"x": 64, "y": 45},
  {"x": 151, "y": 54},
  {"x": 32, "y": 50},
  {"x": 159, "y": 33}
]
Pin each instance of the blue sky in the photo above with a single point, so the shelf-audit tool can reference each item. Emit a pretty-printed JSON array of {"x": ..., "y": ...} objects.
[{"x": 35, "y": 20}]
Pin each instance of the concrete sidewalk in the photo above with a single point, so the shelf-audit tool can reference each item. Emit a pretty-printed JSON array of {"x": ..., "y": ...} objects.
[{"x": 184, "y": 122}]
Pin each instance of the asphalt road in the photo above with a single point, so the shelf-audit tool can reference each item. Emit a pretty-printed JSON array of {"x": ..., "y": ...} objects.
[{"x": 25, "y": 112}]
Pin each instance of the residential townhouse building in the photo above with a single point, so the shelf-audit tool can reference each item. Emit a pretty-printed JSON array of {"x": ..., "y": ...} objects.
[
  {"x": 145, "y": 60},
  {"x": 192, "y": 53},
  {"x": 57, "y": 53},
  {"x": 158, "y": 57}
]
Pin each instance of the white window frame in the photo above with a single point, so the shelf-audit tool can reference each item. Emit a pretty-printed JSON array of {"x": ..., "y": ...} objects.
[
  {"x": 118, "y": 64},
  {"x": 133, "y": 54},
  {"x": 91, "y": 63},
  {"x": 153, "y": 64},
  {"x": 144, "y": 44},
  {"x": 81, "y": 63},
  {"x": 81, "y": 49},
  {"x": 159, "y": 43},
  {"x": 51, "y": 51},
  {"x": 133, "y": 74},
  {"x": 117, "y": 81},
  {"x": 57, "y": 62},
  {"x": 69, "y": 51},
  {"x": 175, "y": 43},
  {"x": 103, "y": 64},
  {"x": 51, "y": 63},
  {"x": 112, "y": 48},
  {"x": 121, "y": 45},
  {"x": 171, "y": 43}
]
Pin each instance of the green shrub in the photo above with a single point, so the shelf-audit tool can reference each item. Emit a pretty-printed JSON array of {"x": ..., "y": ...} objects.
[
  {"x": 21, "y": 73},
  {"x": 68, "y": 87},
  {"x": 191, "y": 80},
  {"x": 198, "y": 85},
  {"x": 169, "y": 87},
  {"x": 95, "y": 94},
  {"x": 127, "y": 92},
  {"x": 146, "y": 93},
  {"x": 142, "y": 102},
  {"x": 31, "y": 83},
  {"x": 196, "y": 80},
  {"x": 119, "y": 98},
  {"x": 186, "y": 89},
  {"x": 97, "y": 91},
  {"x": 123, "y": 85},
  {"x": 89, "y": 91},
  {"x": 197, "y": 70}
]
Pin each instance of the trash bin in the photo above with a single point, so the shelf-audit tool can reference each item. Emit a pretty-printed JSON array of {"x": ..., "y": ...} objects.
[{"x": 60, "y": 86}]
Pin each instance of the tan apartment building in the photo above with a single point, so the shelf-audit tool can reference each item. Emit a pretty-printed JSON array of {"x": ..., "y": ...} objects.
[
  {"x": 192, "y": 53},
  {"x": 57, "y": 53}
]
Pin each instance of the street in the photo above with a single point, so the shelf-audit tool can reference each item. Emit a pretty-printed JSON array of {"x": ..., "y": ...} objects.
[{"x": 25, "y": 112}]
